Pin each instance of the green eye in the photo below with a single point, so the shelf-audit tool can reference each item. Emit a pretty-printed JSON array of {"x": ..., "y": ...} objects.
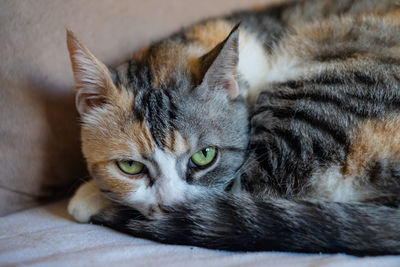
[
  {"x": 130, "y": 167},
  {"x": 204, "y": 156}
]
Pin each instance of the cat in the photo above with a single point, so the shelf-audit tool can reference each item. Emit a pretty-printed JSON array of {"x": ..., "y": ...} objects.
[{"x": 278, "y": 133}]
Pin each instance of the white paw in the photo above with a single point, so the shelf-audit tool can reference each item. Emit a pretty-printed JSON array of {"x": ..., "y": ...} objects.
[{"x": 87, "y": 201}]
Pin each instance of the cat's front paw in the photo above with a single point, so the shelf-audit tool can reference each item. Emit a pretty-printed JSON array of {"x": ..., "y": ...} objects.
[{"x": 87, "y": 201}]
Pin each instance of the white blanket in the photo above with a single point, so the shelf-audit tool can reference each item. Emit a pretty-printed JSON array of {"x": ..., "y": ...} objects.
[{"x": 47, "y": 236}]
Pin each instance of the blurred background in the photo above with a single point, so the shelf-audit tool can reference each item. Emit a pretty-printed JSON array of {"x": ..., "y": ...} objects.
[{"x": 40, "y": 156}]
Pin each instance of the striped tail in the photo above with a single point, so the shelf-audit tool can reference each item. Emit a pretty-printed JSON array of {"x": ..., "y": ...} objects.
[{"x": 240, "y": 223}]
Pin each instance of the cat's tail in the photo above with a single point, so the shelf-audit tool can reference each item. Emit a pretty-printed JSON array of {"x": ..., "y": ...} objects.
[{"x": 241, "y": 223}]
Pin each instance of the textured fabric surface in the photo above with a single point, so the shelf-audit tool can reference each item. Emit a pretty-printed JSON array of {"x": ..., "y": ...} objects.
[
  {"x": 39, "y": 131},
  {"x": 47, "y": 236}
]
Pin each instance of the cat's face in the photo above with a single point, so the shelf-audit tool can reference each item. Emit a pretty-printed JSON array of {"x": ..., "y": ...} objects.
[{"x": 159, "y": 129}]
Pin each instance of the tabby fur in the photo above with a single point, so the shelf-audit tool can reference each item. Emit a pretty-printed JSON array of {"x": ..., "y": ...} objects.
[{"x": 302, "y": 101}]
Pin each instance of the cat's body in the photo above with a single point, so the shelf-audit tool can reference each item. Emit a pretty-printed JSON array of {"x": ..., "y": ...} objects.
[{"x": 317, "y": 166}]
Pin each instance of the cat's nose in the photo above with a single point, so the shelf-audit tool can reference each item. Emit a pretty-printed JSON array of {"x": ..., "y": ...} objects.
[{"x": 170, "y": 190}]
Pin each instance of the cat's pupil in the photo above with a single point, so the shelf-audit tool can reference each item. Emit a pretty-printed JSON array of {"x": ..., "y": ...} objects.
[
  {"x": 205, "y": 151},
  {"x": 130, "y": 163}
]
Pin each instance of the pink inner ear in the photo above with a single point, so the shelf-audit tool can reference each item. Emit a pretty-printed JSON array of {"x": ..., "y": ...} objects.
[
  {"x": 232, "y": 87},
  {"x": 84, "y": 102},
  {"x": 95, "y": 100}
]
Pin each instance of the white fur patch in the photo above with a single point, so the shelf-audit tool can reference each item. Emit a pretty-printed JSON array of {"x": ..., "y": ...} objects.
[
  {"x": 333, "y": 186},
  {"x": 260, "y": 68},
  {"x": 170, "y": 187},
  {"x": 143, "y": 199},
  {"x": 253, "y": 64},
  {"x": 87, "y": 202}
]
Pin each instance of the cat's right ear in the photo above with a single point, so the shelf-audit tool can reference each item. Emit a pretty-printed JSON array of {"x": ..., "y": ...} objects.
[
  {"x": 219, "y": 67},
  {"x": 93, "y": 80}
]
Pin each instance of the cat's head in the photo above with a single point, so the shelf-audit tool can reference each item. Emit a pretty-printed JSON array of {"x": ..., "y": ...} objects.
[{"x": 164, "y": 124}]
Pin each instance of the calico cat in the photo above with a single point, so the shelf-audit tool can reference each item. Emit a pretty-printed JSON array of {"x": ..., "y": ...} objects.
[{"x": 281, "y": 134}]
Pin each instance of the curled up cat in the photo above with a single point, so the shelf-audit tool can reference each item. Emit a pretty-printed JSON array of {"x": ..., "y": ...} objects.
[{"x": 278, "y": 133}]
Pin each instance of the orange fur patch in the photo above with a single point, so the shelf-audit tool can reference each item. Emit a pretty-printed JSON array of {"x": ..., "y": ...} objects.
[
  {"x": 123, "y": 99},
  {"x": 164, "y": 60},
  {"x": 194, "y": 66},
  {"x": 109, "y": 178},
  {"x": 140, "y": 135},
  {"x": 211, "y": 33},
  {"x": 120, "y": 187},
  {"x": 111, "y": 140},
  {"x": 393, "y": 15},
  {"x": 375, "y": 139},
  {"x": 177, "y": 143},
  {"x": 206, "y": 36},
  {"x": 142, "y": 54}
]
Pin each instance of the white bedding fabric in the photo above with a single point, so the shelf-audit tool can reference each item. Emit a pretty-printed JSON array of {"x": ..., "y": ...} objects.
[{"x": 47, "y": 236}]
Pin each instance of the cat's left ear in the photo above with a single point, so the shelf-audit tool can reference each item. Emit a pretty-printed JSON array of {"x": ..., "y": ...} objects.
[
  {"x": 94, "y": 85},
  {"x": 219, "y": 66}
]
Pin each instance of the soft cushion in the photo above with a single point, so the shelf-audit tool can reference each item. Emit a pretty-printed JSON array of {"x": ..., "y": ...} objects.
[{"x": 47, "y": 236}]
